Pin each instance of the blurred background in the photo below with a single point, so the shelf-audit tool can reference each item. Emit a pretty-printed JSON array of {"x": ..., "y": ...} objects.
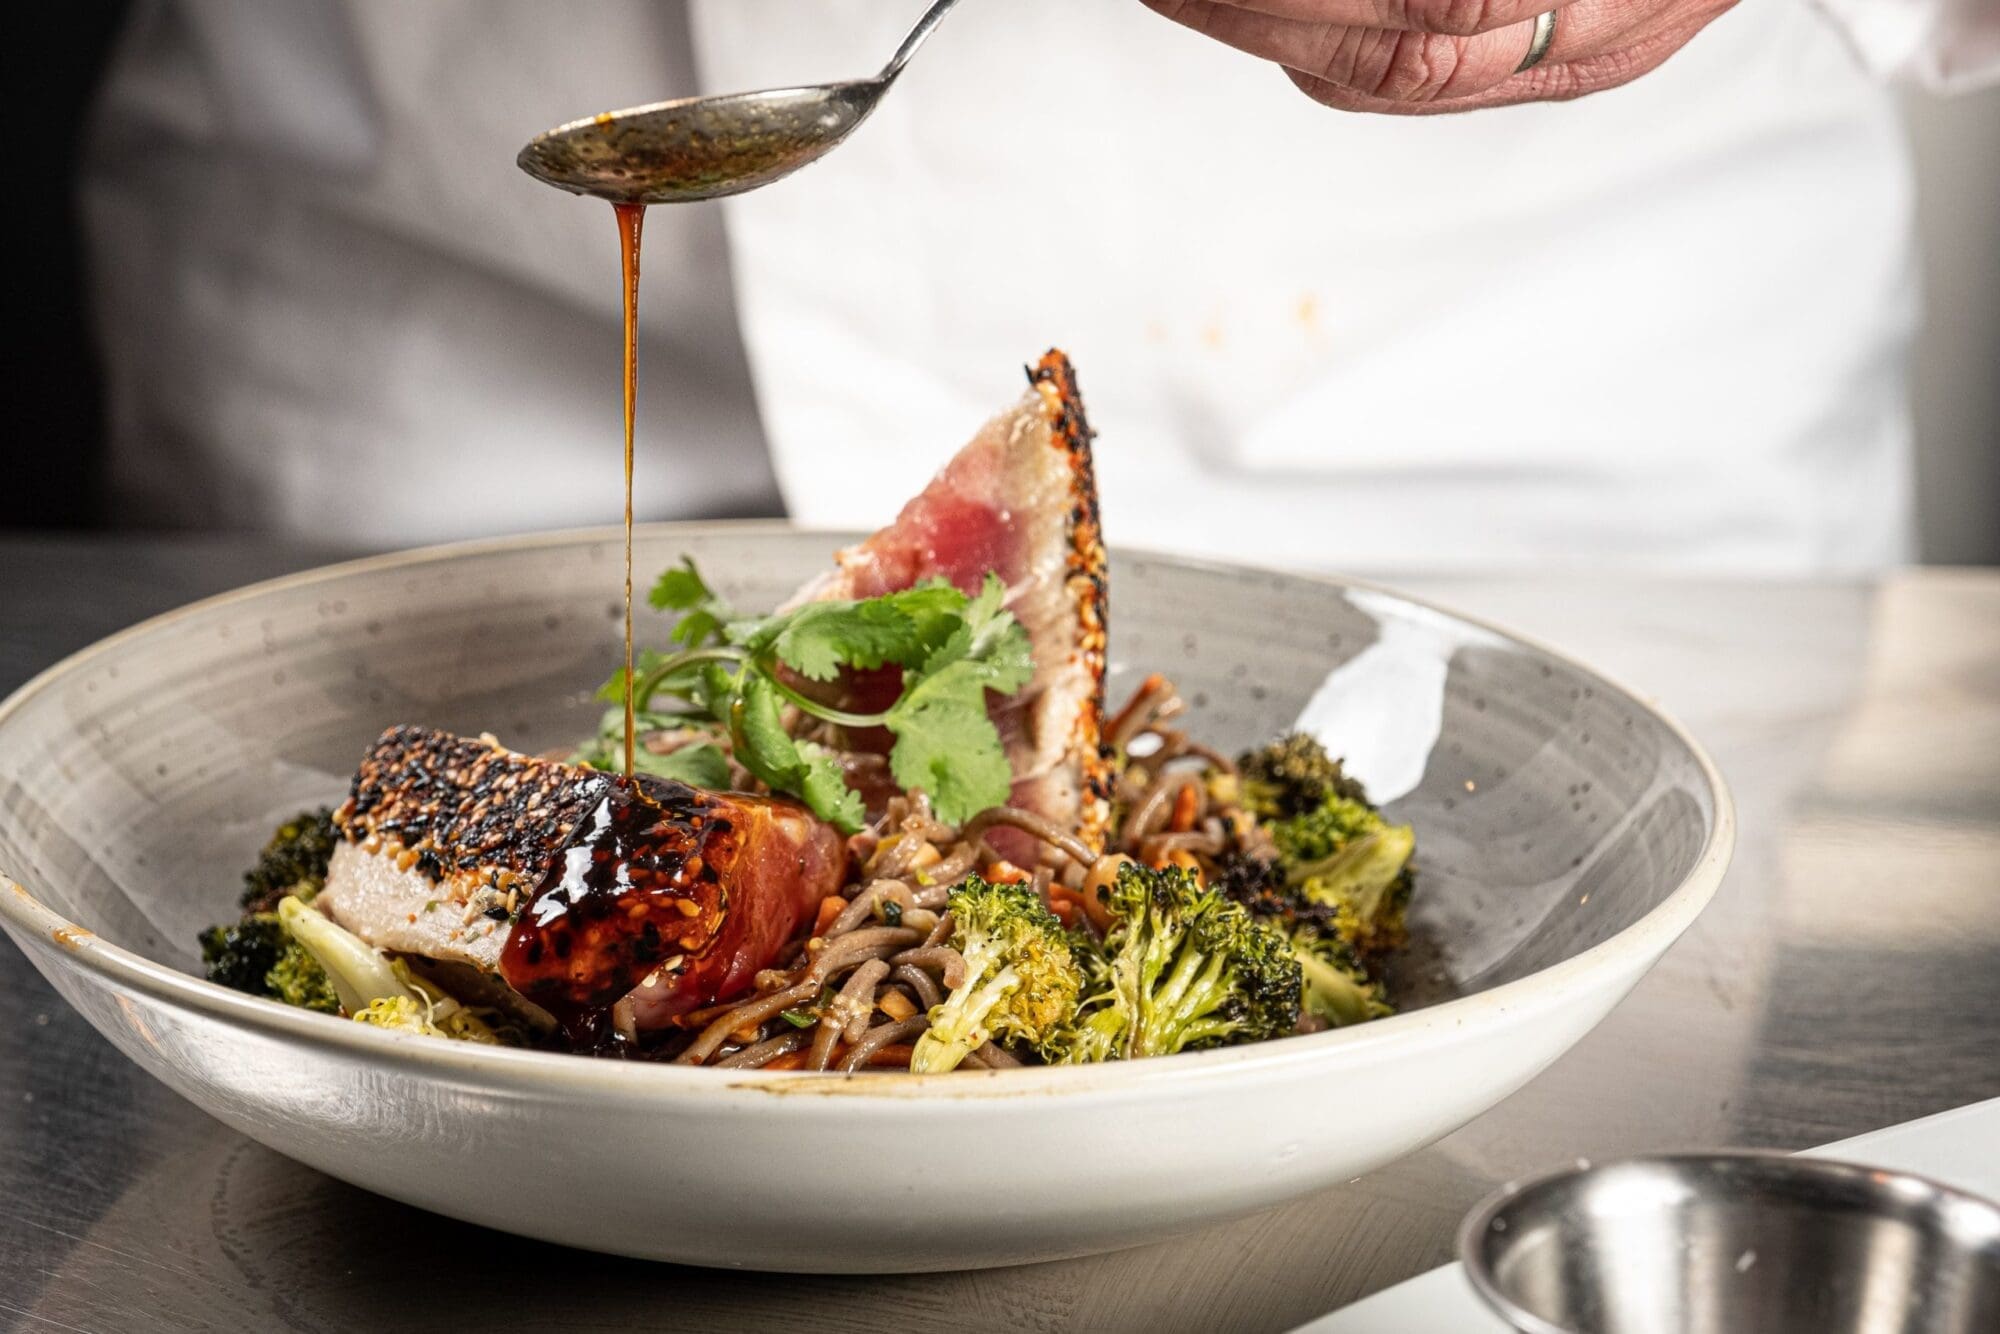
[{"x": 53, "y": 466}]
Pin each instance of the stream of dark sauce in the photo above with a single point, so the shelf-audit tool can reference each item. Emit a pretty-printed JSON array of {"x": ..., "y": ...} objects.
[
  {"x": 633, "y": 888},
  {"x": 631, "y": 221}
]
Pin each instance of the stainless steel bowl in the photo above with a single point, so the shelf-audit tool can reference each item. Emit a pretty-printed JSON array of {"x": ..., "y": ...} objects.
[{"x": 1719, "y": 1243}]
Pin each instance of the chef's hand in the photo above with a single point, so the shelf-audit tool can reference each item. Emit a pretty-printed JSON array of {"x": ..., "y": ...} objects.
[{"x": 1413, "y": 57}]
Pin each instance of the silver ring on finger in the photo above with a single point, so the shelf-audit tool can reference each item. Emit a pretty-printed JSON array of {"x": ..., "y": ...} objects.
[{"x": 1539, "y": 42}]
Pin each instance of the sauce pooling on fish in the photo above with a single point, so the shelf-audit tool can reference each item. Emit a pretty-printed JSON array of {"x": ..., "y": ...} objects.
[
  {"x": 666, "y": 897},
  {"x": 628, "y": 896}
]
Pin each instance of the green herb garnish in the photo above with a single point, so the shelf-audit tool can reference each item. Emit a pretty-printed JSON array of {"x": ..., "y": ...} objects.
[{"x": 736, "y": 677}]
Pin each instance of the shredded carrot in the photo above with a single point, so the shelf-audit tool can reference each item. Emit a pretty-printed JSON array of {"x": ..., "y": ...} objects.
[
  {"x": 830, "y": 907},
  {"x": 893, "y": 1054},
  {"x": 791, "y": 1060},
  {"x": 1066, "y": 904},
  {"x": 1004, "y": 872},
  {"x": 1185, "y": 804}
]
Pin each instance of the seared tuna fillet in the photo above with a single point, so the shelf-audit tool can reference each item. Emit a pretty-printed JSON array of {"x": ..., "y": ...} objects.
[
  {"x": 574, "y": 886},
  {"x": 1019, "y": 500}
]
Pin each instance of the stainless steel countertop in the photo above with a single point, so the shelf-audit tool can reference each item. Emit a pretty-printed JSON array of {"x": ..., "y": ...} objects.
[{"x": 1846, "y": 978}]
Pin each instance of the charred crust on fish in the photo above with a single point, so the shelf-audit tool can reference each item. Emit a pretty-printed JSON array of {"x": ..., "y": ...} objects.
[{"x": 1055, "y": 380}]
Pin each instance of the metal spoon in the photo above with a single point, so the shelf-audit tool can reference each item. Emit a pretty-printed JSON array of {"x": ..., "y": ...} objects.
[{"x": 707, "y": 147}]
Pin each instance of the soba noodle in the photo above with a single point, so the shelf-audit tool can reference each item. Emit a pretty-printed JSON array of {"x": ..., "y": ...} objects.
[{"x": 861, "y": 990}]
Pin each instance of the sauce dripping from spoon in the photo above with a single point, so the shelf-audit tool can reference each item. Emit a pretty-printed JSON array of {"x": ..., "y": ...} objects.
[{"x": 631, "y": 221}]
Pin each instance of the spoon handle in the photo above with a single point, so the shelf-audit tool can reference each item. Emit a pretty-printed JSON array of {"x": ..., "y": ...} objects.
[{"x": 932, "y": 17}]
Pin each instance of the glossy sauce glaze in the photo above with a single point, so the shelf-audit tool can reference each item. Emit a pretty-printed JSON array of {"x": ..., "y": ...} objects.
[
  {"x": 672, "y": 894},
  {"x": 633, "y": 891}
]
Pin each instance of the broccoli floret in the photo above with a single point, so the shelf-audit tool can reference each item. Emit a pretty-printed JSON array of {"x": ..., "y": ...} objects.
[
  {"x": 1320, "y": 831},
  {"x": 372, "y": 987},
  {"x": 1366, "y": 882},
  {"x": 293, "y": 862},
  {"x": 1021, "y": 979},
  {"x": 1337, "y": 987},
  {"x": 360, "y": 973},
  {"x": 1292, "y": 775},
  {"x": 256, "y": 956},
  {"x": 1259, "y": 884},
  {"x": 297, "y": 979},
  {"x": 239, "y": 955},
  {"x": 1096, "y": 1029},
  {"x": 1187, "y": 969},
  {"x": 1336, "y": 851}
]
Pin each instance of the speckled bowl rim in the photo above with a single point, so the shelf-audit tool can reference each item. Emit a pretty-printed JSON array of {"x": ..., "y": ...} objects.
[{"x": 21, "y": 911}]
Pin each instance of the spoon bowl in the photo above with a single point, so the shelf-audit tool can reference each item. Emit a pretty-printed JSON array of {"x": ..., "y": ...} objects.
[{"x": 696, "y": 148}]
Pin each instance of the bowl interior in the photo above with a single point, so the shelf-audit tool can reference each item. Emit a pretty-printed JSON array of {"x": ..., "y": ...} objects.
[
  {"x": 1738, "y": 1242},
  {"x": 136, "y": 782}
]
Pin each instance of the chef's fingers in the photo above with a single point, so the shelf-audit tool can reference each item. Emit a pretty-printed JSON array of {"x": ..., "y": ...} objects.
[
  {"x": 1600, "y": 63},
  {"x": 1455, "y": 18},
  {"x": 1397, "y": 65}
]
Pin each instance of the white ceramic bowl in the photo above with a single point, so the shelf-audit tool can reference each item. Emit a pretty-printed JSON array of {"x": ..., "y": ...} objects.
[{"x": 1567, "y": 834}]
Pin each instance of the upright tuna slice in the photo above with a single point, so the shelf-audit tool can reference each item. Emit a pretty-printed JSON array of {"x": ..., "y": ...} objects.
[
  {"x": 574, "y": 886},
  {"x": 1019, "y": 500}
]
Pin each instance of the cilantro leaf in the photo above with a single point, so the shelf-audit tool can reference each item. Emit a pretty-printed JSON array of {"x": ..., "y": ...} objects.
[
  {"x": 947, "y": 745},
  {"x": 820, "y": 638},
  {"x": 757, "y": 727},
  {"x": 807, "y": 771},
  {"x": 824, "y": 787},
  {"x": 681, "y": 588},
  {"x": 992, "y": 641}
]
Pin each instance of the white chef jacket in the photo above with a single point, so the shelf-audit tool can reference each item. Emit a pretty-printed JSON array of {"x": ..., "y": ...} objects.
[{"x": 1665, "y": 326}]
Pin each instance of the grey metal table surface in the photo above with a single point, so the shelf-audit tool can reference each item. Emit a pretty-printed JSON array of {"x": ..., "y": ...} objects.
[{"x": 1846, "y": 978}]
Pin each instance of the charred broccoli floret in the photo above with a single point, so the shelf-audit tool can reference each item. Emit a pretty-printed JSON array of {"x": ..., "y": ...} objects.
[
  {"x": 1336, "y": 851},
  {"x": 1292, "y": 775},
  {"x": 1259, "y": 884},
  {"x": 1337, "y": 987},
  {"x": 239, "y": 954},
  {"x": 1021, "y": 979},
  {"x": 1365, "y": 881},
  {"x": 1186, "y": 969},
  {"x": 257, "y": 956},
  {"x": 293, "y": 862}
]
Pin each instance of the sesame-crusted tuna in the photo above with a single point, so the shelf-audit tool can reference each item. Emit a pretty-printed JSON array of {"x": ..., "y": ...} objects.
[{"x": 452, "y": 848}]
